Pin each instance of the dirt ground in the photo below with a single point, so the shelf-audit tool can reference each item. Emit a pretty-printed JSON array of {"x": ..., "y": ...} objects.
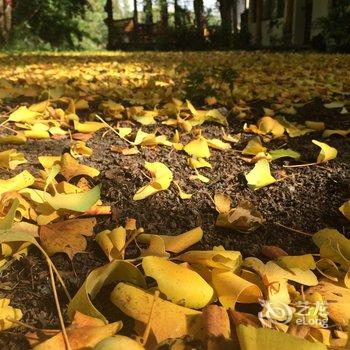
[{"x": 306, "y": 199}]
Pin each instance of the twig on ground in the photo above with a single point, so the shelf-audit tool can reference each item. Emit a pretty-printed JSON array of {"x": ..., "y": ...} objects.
[{"x": 294, "y": 230}]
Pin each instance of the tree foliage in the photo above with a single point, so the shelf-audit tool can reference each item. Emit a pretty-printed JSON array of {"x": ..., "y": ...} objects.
[{"x": 53, "y": 21}]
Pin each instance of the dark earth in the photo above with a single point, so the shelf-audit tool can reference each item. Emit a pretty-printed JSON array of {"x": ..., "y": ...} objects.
[{"x": 305, "y": 199}]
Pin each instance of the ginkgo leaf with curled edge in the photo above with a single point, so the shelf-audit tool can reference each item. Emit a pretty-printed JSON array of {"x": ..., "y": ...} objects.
[
  {"x": 161, "y": 180},
  {"x": 180, "y": 284},
  {"x": 327, "y": 152},
  {"x": 9, "y": 159},
  {"x": 70, "y": 168},
  {"x": 178, "y": 243},
  {"x": 18, "y": 182},
  {"x": 6, "y": 312},
  {"x": 198, "y": 148},
  {"x": 260, "y": 175},
  {"x": 345, "y": 209}
]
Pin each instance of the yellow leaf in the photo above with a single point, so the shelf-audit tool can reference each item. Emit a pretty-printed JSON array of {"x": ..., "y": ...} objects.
[
  {"x": 66, "y": 236},
  {"x": 17, "y": 139},
  {"x": 49, "y": 161},
  {"x": 269, "y": 125},
  {"x": 114, "y": 272},
  {"x": 254, "y": 147},
  {"x": 7, "y": 311},
  {"x": 79, "y": 149},
  {"x": 260, "y": 176},
  {"x": 122, "y": 132},
  {"x": 37, "y": 134},
  {"x": 345, "y": 209},
  {"x": 161, "y": 179},
  {"x": 23, "y": 114},
  {"x": 199, "y": 177},
  {"x": 182, "y": 194},
  {"x": 156, "y": 248},
  {"x": 125, "y": 151},
  {"x": 337, "y": 299},
  {"x": 178, "y": 243},
  {"x": 88, "y": 127},
  {"x": 79, "y": 202},
  {"x": 197, "y": 163},
  {"x": 11, "y": 158},
  {"x": 70, "y": 168},
  {"x": 327, "y": 152},
  {"x": 318, "y": 126},
  {"x": 168, "y": 320},
  {"x": 112, "y": 242},
  {"x": 244, "y": 217},
  {"x": 16, "y": 183},
  {"x": 232, "y": 138},
  {"x": 218, "y": 144},
  {"x": 231, "y": 289},
  {"x": 84, "y": 333},
  {"x": 251, "y": 338},
  {"x": 304, "y": 262},
  {"x": 328, "y": 133},
  {"x": 218, "y": 257},
  {"x": 118, "y": 342},
  {"x": 180, "y": 284},
  {"x": 198, "y": 148},
  {"x": 222, "y": 203}
]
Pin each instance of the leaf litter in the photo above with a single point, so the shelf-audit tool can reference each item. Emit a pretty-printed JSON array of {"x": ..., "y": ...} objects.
[{"x": 54, "y": 205}]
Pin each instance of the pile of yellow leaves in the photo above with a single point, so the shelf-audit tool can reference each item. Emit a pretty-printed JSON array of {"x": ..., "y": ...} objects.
[{"x": 173, "y": 292}]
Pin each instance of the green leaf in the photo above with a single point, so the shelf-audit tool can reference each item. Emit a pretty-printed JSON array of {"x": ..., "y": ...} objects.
[
  {"x": 333, "y": 245},
  {"x": 114, "y": 272},
  {"x": 284, "y": 153},
  {"x": 79, "y": 202}
]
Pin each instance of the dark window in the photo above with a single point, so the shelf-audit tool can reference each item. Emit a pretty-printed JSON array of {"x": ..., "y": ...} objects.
[{"x": 280, "y": 8}]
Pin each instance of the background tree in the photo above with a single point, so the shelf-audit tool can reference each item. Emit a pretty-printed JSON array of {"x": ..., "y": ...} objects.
[
  {"x": 225, "y": 7},
  {"x": 148, "y": 10},
  {"x": 109, "y": 22},
  {"x": 5, "y": 20},
  {"x": 54, "y": 21},
  {"x": 199, "y": 17},
  {"x": 258, "y": 33}
]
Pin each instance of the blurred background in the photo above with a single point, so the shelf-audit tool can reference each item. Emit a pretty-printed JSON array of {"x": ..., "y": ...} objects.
[{"x": 174, "y": 24}]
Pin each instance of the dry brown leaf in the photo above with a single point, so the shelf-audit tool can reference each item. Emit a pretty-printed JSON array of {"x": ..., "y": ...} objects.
[{"x": 66, "y": 236}]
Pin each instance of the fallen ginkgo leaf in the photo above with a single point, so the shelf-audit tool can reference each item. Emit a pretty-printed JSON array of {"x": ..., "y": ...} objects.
[
  {"x": 327, "y": 152},
  {"x": 168, "y": 320},
  {"x": 181, "y": 285},
  {"x": 7, "y": 311},
  {"x": 116, "y": 271},
  {"x": 260, "y": 176},
  {"x": 11, "y": 158},
  {"x": 161, "y": 179}
]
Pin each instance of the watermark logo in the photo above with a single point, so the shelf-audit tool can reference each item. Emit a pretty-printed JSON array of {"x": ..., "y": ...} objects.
[{"x": 302, "y": 313}]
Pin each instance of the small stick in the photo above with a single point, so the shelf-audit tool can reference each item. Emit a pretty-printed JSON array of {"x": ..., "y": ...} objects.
[
  {"x": 299, "y": 165},
  {"x": 294, "y": 230},
  {"x": 105, "y": 123},
  {"x": 22, "y": 324},
  {"x": 57, "y": 302}
]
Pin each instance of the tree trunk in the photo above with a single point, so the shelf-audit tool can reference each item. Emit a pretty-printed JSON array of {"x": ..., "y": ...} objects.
[
  {"x": 5, "y": 20},
  {"x": 258, "y": 23},
  {"x": 164, "y": 16},
  {"x": 226, "y": 21},
  {"x": 177, "y": 18},
  {"x": 235, "y": 16},
  {"x": 288, "y": 31},
  {"x": 148, "y": 11},
  {"x": 109, "y": 21},
  {"x": 199, "y": 17}
]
